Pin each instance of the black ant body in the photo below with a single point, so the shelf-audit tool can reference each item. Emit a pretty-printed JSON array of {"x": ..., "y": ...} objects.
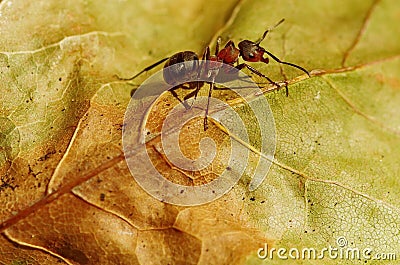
[{"x": 250, "y": 51}]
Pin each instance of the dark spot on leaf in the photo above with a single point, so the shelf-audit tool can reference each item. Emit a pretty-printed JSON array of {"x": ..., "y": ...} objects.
[
  {"x": 47, "y": 155},
  {"x": 252, "y": 199},
  {"x": 7, "y": 182},
  {"x": 102, "y": 197},
  {"x": 67, "y": 251}
]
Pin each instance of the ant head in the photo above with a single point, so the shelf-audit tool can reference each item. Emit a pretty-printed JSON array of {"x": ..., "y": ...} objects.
[{"x": 251, "y": 51}]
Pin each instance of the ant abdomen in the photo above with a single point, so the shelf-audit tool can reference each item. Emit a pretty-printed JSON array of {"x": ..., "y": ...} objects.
[{"x": 182, "y": 67}]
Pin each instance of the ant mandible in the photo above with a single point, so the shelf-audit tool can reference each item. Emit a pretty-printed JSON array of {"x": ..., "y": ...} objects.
[{"x": 250, "y": 51}]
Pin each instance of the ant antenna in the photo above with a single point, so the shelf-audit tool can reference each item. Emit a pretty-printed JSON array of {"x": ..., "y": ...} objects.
[
  {"x": 282, "y": 62},
  {"x": 268, "y": 30},
  {"x": 273, "y": 56}
]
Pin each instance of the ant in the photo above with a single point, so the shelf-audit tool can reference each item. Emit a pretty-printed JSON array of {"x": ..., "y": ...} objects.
[{"x": 186, "y": 65}]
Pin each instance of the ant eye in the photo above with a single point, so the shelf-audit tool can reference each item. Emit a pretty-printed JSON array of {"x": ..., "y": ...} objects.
[{"x": 251, "y": 55}]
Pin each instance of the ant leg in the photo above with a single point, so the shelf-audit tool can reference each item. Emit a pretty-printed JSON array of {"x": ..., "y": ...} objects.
[
  {"x": 184, "y": 103},
  {"x": 205, "y": 58},
  {"x": 208, "y": 104},
  {"x": 243, "y": 65},
  {"x": 291, "y": 64},
  {"x": 193, "y": 94},
  {"x": 199, "y": 84},
  {"x": 210, "y": 74},
  {"x": 144, "y": 70},
  {"x": 286, "y": 89},
  {"x": 206, "y": 61},
  {"x": 217, "y": 46}
]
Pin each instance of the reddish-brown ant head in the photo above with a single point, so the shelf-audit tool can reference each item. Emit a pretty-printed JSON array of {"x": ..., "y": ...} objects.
[
  {"x": 229, "y": 54},
  {"x": 252, "y": 52}
]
